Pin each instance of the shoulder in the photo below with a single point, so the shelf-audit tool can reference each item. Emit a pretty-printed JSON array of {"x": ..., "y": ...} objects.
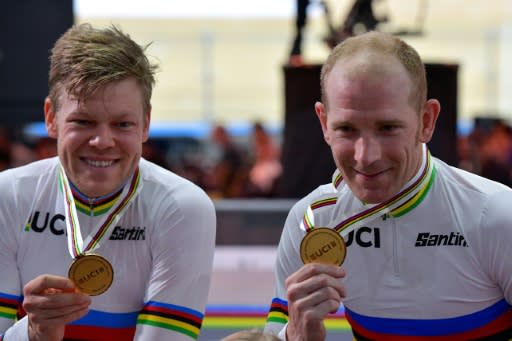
[
  {"x": 318, "y": 193},
  {"x": 160, "y": 186},
  {"x": 484, "y": 202},
  {"x": 461, "y": 180},
  {"x": 28, "y": 174}
]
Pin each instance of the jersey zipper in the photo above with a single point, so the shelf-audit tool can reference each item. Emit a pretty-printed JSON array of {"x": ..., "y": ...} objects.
[
  {"x": 91, "y": 213},
  {"x": 396, "y": 267},
  {"x": 91, "y": 207}
]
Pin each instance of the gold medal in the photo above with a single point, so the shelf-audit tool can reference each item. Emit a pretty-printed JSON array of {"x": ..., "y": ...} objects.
[
  {"x": 323, "y": 245},
  {"x": 91, "y": 273}
]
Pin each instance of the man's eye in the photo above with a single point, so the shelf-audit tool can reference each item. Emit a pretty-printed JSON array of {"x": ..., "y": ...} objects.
[
  {"x": 81, "y": 122},
  {"x": 125, "y": 124},
  {"x": 345, "y": 129},
  {"x": 389, "y": 128}
]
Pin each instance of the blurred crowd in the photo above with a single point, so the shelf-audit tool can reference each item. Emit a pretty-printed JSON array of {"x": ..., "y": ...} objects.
[
  {"x": 226, "y": 166},
  {"x": 238, "y": 169},
  {"x": 487, "y": 151}
]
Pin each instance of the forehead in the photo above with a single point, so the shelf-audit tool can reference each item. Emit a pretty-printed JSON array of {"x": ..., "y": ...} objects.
[
  {"x": 123, "y": 96},
  {"x": 366, "y": 78}
]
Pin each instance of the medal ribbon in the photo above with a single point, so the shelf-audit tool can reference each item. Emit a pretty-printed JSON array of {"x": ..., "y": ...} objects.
[
  {"x": 406, "y": 198},
  {"x": 75, "y": 241}
]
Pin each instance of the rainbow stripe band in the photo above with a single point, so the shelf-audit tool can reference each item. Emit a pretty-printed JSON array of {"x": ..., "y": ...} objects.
[
  {"x": 377, "y": 208},
  {"x": 324, "y": 202},
  {"x": 416, "y": 200},
  {"x": 278, "y": 312},
  {"x": 492, "y": 321},
  {"x": 9, "y": 305},
  {"x": 103, "y": 229},
  {"x": 103, "y": 326},
  {"x": 397, "y": 206},
  {"x": 75, "y": 243},
  {"x": 337, "y": 179},
  {"x": 177, "y": 318},
  {"x": 308, "y": 224},
  {"x": 98, "y": 208}
]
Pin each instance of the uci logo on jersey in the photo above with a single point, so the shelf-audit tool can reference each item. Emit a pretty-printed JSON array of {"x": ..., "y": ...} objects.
[
  {"x": 39, "y": 222},
  {"x": 56, "y": 224},
  {"x": 364, "y": 237}
]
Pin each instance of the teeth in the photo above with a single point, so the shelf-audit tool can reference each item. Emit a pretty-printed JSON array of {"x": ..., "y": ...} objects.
[{"x": 100, "y": 164}]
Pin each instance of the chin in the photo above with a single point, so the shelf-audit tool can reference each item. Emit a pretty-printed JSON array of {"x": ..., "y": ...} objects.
[{"x": 373, "y": 198}]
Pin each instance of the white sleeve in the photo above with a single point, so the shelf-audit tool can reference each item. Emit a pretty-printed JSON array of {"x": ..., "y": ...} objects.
[
  {"x": 182, "y": 265},
  {"x": 494, "y": 241},
  {"x": 10, "y": 286},
  {"x": 18, "y": 332},
  {"x": 287, "y": 262}
]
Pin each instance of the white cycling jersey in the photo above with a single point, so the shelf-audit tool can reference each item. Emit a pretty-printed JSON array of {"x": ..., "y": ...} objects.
[
  {"x": 436, "y": 268},
  {"x": 161, "y": 251}
]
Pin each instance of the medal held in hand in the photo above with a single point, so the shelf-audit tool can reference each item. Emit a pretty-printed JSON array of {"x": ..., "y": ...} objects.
[
  {"x": 91, "y": 273},
  {"x": 323, "y": 245}
]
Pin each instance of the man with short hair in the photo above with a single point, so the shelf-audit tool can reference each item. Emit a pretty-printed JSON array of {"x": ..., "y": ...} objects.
[
  {"x": 98, "y": 243},
  {"x": 426, "y": 245}
]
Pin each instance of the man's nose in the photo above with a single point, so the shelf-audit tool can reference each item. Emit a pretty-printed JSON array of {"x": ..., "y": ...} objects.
[
  {"x": 367, "y": 150},
  {"x": 102, "y": 138}
]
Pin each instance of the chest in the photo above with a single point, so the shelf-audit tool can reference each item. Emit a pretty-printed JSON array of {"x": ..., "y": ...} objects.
[
  {"x": 44, "y": 249},
  {"x": 413, "y": 265}
]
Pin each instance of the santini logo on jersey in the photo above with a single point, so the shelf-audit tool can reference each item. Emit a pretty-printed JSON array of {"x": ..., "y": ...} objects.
[
  {"x": 431, "y": 239},
  {"x": 135, "y": 233}
]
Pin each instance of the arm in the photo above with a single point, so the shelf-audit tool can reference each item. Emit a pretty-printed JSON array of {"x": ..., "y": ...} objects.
[
  {"x": 182, "y": 264},
  {"x": 494, "y": 239},
  {"x": 10, "y": 285},
  {"x": 304, "y": 294},
  {"x": 47, "y": 306}
]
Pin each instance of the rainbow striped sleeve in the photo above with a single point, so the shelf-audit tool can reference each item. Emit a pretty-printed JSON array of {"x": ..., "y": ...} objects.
[
  {"x": 9, "y": 305},
  {"x": 177, "y": 318},
  {"x": 490, "y": 323},
  {"x": 278, "y": 312},
  {"x": 103, "y": 326}
]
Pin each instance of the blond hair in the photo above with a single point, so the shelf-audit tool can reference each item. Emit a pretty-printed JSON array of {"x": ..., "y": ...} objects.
[
  {"x": 380, "y": 45},
  {"x": 85, "y": 58}
]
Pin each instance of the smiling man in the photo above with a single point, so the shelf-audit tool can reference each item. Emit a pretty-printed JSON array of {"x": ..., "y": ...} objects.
[
  {"x": 98, "y": 243},
  {"x": 424, "y": 249}
]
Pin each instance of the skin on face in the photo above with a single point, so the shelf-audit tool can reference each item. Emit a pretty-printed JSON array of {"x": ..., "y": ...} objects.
[
  {"x": 374, "y": 131},
  {"x": 99, "y": 140}
]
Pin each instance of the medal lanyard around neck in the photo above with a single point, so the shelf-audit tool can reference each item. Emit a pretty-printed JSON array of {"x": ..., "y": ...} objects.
[
  {"x": 76, "y": 244},
  {"x": 358, "y": 218}
]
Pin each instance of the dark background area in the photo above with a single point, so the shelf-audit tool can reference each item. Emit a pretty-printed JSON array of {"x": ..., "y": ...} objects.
[{"x": 28, "y": 30}]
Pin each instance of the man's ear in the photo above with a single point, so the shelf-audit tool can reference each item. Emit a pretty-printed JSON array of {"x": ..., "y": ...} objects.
[
  {"x": 428, "y": 118},
  {"x": 322, "y": 116},
  {"x": 50, "y": 117}
]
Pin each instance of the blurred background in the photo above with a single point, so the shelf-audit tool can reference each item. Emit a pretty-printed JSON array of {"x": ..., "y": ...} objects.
[{"x": 233, "y": 105}]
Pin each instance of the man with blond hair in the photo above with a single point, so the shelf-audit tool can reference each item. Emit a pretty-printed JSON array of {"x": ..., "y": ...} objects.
[{"x": 98, "y": 243}]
